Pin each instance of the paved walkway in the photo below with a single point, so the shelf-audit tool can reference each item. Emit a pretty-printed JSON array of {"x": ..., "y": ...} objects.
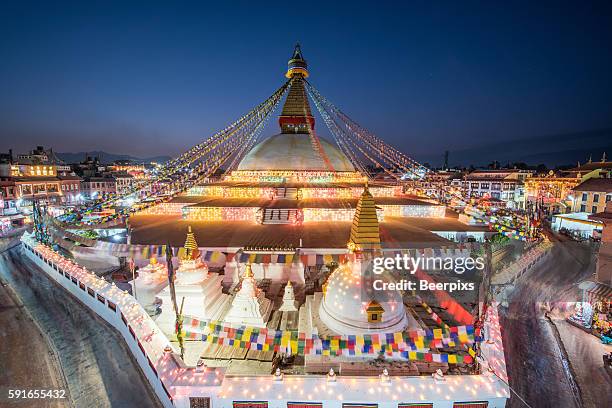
[
  {"x": 98, "y": 367},
  {"x": 27, "y": 361},
  {"x": 585, "y": 355}
]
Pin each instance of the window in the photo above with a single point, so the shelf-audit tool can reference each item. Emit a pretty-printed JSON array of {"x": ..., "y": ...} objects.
[
  {"x": 304, "y": 405},
  {"x": 594, "y": 209},
  {"x": 496, "y": 186},
  {"x": 250, "y": 404},
  {"x": 475, "y": 404},
  {"x": 91, "y": 292},
  {"x": 474, "y": 185},
  {"x": 583, "y": 208},
  {"x": 595, "y": 198},
  {"x": 101, "y": 299},
  {"x": 585, "y": 196},
  {"x": 347, "y": 405},
  {"x": 484, "y": 185},
  {"x": 415, "y": 405},
  {"x": 608, "y": 198}
]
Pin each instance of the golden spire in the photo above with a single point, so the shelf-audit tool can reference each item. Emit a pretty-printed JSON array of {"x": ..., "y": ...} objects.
[
  {"x": 248, "y": 272},
  {"x": 365, "y": 232},
  {"x": 191, "y": 246}
]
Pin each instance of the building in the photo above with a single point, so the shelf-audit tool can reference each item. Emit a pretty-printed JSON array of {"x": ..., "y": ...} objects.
[
  {"x": 95, "y": 187},
  {"x": 592, "y": 195},
  {"x": 124, "y": 181},
  {"x": 35, "y": 176},
  {"x": 604, "y": 257},
  {"x": 10, "y": 215},
  {"x": 8, "y": 195},
  {"x": 436, "y": 184},
  {"x": 506, "y": 185},
  {"x": 594, "y": 312},
  {"x": 136, "y": 170},
  {"x": 89, "y": 167},
  {"x": 554, "y": 192},
  {"x": 70, "y": 185}
]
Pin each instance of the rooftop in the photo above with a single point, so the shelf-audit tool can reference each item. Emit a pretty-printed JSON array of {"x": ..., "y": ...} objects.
[
  {"x": 601, "y": 185},
  {"x": 303, "y": 203},
  {"x": 395, "y": 232}
]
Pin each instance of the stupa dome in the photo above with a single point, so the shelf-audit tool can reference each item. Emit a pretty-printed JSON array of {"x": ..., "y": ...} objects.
[
  {"x": 343, "y": 308},
  {"x": 287, "y": 151}
]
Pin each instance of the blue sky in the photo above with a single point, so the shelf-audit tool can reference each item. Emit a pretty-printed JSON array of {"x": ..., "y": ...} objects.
[{"x": 153, "y": 78}]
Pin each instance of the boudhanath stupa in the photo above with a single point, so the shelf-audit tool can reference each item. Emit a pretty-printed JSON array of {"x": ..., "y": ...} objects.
[{"x": 293, "y": 186}]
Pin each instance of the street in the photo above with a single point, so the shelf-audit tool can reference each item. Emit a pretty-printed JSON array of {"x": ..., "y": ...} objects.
[
  {"x": 538, "y": 364},
  {"x": 98, "y": 369}
]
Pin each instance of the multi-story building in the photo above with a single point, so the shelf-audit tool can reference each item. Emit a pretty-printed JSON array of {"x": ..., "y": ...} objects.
[
  {"x": 554, "y": 192},
  {"x": 591, "y": 196},
  {"x": 90, "y": 167},
  {"x": 137, "y": 170},
  {"x": 45, "y": 189},
  {"x": 94, "y": 187},
  {"x": 71, "y": 188},
  {"x": 8, "y": 197},
  {"x": 34, "y": 176},
  {"x": 123, "y": 182},
  {"x": 506, "y": 185}
]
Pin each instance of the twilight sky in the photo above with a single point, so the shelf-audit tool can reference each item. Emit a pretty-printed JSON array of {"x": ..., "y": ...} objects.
[{"x": 149, "y": 79}]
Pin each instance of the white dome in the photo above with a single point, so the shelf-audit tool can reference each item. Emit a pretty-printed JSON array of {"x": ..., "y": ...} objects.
[
  {"x": 288, "y": 151},
  {"x": 343, "y": 308}
]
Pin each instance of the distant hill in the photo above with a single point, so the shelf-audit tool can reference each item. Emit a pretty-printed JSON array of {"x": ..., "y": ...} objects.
[
  {"x": 107, "y": 158},
  {"x": 551, "y": 150}
]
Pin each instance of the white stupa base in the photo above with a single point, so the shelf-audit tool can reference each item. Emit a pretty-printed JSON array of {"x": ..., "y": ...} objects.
[
  {"x": 249, "y": 311},
  {"x": 191, "y": 271},
  {"x": 150, "y": 281},
  {"x": 327, "y": 322},
  {"x": 204, "y": 300},
  {"x": 289, "y": 306}
]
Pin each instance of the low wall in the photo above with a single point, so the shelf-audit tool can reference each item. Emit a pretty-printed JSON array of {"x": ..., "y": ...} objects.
[{"x": 145, "y": 341}]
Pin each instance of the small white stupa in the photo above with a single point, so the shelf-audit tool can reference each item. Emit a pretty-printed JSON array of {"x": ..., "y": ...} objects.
[
  {"x": 201, "y": 290},
  {"x": 191, "y": 269},
  {"x": 151, "y": 279},
  {"x": 249, "y": 306},
  {"x": 289, "y": 303}
]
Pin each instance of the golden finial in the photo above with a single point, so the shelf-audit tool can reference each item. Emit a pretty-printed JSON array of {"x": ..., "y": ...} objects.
[
  {"x": 248, "y": 272},
  {"x": 191, "y": 246}
]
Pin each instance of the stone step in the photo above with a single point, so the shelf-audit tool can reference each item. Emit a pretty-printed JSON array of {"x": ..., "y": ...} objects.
[{"x": 279, "y": 215}]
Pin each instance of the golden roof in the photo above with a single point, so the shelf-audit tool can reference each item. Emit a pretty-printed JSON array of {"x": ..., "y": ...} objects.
[
  {"x": 191, "y": 246},
  {"x": 365, "y": 232}
]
